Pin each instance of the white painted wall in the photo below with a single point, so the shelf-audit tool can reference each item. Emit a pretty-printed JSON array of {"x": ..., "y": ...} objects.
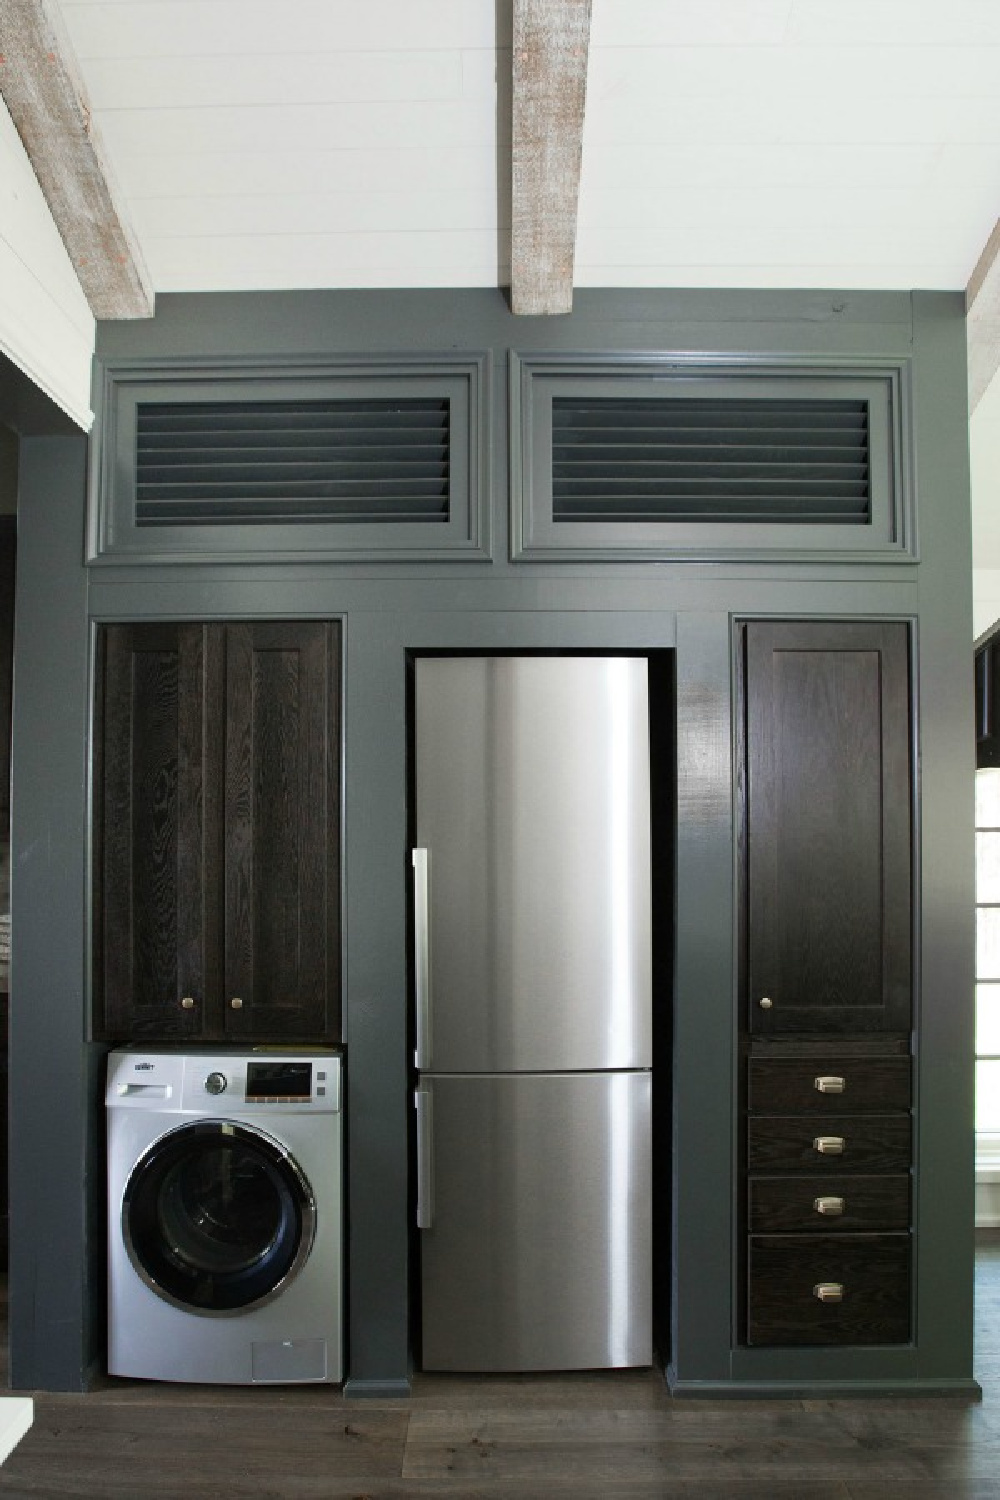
[
  {"x": 46, "y": 326},
  {"x": 984, "y": 468},
  {"x": 985, "y": 600}
]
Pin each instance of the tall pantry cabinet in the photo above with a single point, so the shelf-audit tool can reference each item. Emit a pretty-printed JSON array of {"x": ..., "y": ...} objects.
[
  {"x": 217, "y": 818},
  {"x": 826, "y": 963}
]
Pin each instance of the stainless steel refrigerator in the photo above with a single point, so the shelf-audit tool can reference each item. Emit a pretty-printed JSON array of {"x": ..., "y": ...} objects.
[{"x": 533, "y": 1026}]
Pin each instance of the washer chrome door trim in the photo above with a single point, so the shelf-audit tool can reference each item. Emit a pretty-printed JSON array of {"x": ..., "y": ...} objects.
[{"x": 148, "y": 1176}]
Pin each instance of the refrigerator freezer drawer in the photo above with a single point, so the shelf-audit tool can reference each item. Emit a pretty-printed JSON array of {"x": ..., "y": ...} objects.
[{"x": 538, "y": 1250}]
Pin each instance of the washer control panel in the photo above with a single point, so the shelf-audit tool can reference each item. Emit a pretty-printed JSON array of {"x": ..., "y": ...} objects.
[{"x": 214, "y": 1081}]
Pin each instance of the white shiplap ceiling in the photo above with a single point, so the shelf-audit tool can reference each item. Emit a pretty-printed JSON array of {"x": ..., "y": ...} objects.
[
  {"x": 848, "y": 143},
  {"x": 322, "y": 143}
]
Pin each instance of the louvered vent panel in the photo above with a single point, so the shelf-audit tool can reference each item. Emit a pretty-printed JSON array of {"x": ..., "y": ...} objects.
[
  {"x": 383, "y": 461},
  {"x": 704, "y": 459}
]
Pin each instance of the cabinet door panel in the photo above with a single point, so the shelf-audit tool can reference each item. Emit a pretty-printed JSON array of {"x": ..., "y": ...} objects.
[
  {"x": 157, "y": 835},
  {"x": 282, "y": 831},
  {"x": 828, "y": 826}
]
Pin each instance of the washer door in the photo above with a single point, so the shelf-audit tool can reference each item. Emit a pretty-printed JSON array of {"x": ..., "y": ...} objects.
[{"x": 217, "y": 1217}]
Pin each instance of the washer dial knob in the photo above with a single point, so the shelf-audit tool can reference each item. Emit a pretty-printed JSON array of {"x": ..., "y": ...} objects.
[{"x": 216, "y": 1083}]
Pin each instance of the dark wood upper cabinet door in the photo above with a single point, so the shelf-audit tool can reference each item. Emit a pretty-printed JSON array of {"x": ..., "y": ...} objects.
[
  {"x": 157, "y": 833},
  {"x": 282, "y": 831},
  {"x": 828, "y": 826}
]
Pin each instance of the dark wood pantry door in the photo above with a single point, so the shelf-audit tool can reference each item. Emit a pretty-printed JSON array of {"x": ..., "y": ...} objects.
[{"x": 828, "y": 827}]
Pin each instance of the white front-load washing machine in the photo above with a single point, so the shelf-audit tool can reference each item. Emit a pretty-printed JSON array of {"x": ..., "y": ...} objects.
[{"x": 225, "y": 1209}]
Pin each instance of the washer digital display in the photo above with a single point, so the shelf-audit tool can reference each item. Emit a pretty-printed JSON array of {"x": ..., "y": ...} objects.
[{"x": 279, "y": 1080}]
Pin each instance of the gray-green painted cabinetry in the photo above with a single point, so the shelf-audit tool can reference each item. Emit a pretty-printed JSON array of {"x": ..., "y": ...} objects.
[
  {"x": 217, "y": 851},
  {"x": 827, "y": 966}
]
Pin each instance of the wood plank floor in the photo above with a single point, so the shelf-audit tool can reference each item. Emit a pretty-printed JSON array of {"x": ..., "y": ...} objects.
[{"x": 592, "y": 1437}]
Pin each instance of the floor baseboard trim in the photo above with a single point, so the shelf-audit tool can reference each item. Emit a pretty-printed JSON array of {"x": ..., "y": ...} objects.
[
  {"x": 820, "y": 1390},
  {"x": 366, "y": 1390}
]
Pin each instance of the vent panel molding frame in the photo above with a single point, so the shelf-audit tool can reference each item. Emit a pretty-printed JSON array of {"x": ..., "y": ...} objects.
[
  {"x": 115, "y": 535},
  {"x": 536, "y": 381}
]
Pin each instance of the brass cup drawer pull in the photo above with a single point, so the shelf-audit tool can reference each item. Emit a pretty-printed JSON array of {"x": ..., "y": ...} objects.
[
  {"x": 831, "y": 1207},
  {"x": 828, "y": 1083},
  {"x": 829, "y": 1145},
  {"x": 828, "y": 1291}
]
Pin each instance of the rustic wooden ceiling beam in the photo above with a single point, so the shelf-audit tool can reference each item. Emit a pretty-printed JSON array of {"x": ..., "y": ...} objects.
[
  {"x": 48, "y": 104},
  {"x": 982, "y": 313},
  {"x": 551, "y": 41}
]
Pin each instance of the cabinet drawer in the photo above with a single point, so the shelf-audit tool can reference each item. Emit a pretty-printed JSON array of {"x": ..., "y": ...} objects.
[
  {"x": 870, "y": 1272},
  {"x": 831, "y": 1204},
  {"x": 867, "y": 1143},
  {"x": 829, "y": 1085}
]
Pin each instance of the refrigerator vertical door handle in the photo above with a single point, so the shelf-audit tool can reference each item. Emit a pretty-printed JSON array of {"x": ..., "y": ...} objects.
[
  {"x": 423, "y": 1100},
  {"x": 421, "y": 959}
]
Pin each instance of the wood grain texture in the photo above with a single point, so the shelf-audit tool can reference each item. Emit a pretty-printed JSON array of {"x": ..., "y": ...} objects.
[
  {"x": 721, "y": 1449},
  {"x": 218, "y": 832},
  {"x": 872, "y": 1045},
  {"x": 872, "y": 1085},
  {"x": 551, "y": 42},
  {"x": 152, "y": 930},
  {"x": 282, "y": 831},
  {"x": 874, "y": 1271},
  {"x": 176, "y": 1442},
  {"x": 828, "y": 866},
  {"x": 497, "y": 1438},
  {"x": 872, "y": 1143},
  {"x": 982, "y": 301},
  {"x": 783, "y": 1204},
  {"x": 203, "y": 1453},
  {"x": 43, "y": 91},
  {"x": 46, "y": 325}
]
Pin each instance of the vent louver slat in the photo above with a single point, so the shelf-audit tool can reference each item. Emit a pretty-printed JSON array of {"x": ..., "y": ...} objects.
[
  {"x": 358, "y": 461},
  {"x": 710, "y": 459}
]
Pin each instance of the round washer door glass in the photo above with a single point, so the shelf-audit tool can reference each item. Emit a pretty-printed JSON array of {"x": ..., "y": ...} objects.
[{"x": 217, "y": 1217}]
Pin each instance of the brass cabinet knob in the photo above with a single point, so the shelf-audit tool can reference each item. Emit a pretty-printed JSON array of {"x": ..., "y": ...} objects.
[
  {"x": 829, "y": 1084},
  {"x": 829, "y": 1145},
  {"x": 832, "y": 1207},
  {"x": 829, "y": 1291},
  {"x": 187, "y": 1003},
  {"x": 236, "y": 1003},
  {"x": 765, "y": 1002}
]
